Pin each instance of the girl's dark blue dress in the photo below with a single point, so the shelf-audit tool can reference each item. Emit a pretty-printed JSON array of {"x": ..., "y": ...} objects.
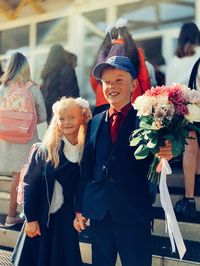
[{"x": 58, "y": 244}]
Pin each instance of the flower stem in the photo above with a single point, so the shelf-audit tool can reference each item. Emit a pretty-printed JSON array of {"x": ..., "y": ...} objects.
[{"x": 153, "y": 175}]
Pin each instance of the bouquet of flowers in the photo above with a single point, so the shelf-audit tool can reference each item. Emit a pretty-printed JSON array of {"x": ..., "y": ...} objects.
[{"x": 165, "y": 114}]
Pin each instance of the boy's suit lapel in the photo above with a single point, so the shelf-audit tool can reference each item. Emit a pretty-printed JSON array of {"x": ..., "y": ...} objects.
[
  {"x": 95, "y": 126},
  {"x": 126, "y": 128}
]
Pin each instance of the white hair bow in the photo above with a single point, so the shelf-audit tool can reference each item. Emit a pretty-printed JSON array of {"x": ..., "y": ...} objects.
[{"x": 121, "y": 22}]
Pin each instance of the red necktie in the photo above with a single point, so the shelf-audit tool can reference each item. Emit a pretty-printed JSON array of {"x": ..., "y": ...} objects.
[{"x": 116, "y": 119}]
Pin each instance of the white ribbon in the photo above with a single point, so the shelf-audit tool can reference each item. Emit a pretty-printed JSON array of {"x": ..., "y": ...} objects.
[{"x": 171, "y": 222}]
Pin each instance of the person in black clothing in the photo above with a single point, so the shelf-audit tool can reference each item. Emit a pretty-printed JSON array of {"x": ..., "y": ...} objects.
[{"x": 59, "y": 77}]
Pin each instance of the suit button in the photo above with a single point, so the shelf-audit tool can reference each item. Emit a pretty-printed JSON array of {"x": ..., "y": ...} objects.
[
  {"x": 104, "y": 169},
  {"x": 111, "y": 180}
]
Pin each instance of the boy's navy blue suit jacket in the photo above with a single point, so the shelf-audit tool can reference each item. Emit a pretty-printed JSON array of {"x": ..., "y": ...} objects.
[{"x": 112, "y": 180}]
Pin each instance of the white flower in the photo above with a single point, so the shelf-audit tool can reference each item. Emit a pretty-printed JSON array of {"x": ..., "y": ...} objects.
[
  {"x": 194, "y": 113},
  {"x": 82, "y": 102},
  {"x": 144, "y": 104},
  {"x": 192, "y": 96},
  {"x": 162, "y": 100}
]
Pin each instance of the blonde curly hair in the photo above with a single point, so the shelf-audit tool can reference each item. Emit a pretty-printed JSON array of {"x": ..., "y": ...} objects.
[{"x": 53, "y": 137}]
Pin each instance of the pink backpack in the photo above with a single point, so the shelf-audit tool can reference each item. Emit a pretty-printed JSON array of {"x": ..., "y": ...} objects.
[
  {"x": 22, "y": 184},
  {"x": 18, "y": 116}
]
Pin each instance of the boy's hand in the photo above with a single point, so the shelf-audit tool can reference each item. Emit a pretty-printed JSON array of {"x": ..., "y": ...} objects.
[
  {"x": 165, "y": 151},
  {"x": 80, "y": 222},
  {"x": 32, "y": 229}
]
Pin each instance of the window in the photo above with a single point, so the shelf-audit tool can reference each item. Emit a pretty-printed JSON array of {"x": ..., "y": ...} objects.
[
  {"x": 14, "y": 39},
  {"x": 152, "y": 48},
  {"x": 52, "y": 32},
  {"x": 94, "y": 31},
  {"x": 144, "y": 16},
  {"x": 40, "y": 60}
]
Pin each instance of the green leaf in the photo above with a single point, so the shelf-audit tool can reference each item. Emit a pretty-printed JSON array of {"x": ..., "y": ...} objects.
[
  {"x": 145, "y": 125},
  {"x": 155, "y": 150},
  {"x": 169, "y": 137},
  {"x": 135, "y": 141},
  {"x": 184, "y": 132},
  {"x": 177, "y": 148},
  {"x": 136, "y": 131},
  {"x": 141, "y": 152},
  {"x": 152, "y": 143},
  {"x": 193, "y": 127}
]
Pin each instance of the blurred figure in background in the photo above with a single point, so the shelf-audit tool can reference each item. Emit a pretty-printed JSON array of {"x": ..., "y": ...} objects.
[
  {"x": 119, "y": 42},
  {"x": 179, "y": 70},
  {"x": 159, "y": 75},
  {"x": 14, "y": 155},
  {"x": 59, "y": 77}
]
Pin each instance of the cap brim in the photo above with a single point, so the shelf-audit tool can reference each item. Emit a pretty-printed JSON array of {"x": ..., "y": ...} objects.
[{"x": 97, "y": 71}]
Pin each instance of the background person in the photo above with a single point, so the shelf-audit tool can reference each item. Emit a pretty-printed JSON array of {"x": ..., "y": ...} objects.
[
  {"x": 119, "y": 42},
  {"x": 14, "y": 155},
  {"x": 179, "y": 70},
  {"x": 59, "y": 77}
]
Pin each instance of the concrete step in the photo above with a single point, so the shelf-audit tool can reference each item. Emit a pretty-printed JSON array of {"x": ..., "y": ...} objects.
[
  {"x": 176, "y": 178},
  {"x": 4, "y": 203},
  {"x": 5, "y": 183},
  {"x": 86, "y": 257},
  {"x": 175, "y": 198},
  {"x": 189, "y": 231},
  {"x": 9, "y": 237}
]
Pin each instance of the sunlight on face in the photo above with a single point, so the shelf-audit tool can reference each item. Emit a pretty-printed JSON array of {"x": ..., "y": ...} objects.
[
  {"x": 69, "y": 121},
  {"x": 117, "y": 87}
]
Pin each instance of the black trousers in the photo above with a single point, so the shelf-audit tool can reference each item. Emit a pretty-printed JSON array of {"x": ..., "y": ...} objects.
[{"x": 131, "y": 242}]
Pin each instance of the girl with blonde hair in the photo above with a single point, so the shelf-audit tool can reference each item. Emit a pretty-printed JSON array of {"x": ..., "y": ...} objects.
[
  {"x": 14, "y": 155},
  {"x": 52, "y": 178}
]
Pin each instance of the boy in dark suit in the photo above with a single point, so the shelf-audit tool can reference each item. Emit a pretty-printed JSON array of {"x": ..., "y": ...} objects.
[{"x": 114, "y": 188}]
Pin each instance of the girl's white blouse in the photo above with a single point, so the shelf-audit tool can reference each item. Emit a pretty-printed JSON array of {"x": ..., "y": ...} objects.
[{"x": 73, "y": 153}]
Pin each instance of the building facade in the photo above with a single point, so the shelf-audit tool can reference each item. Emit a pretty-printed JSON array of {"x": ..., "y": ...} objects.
[{"x": 32, "y": 27}]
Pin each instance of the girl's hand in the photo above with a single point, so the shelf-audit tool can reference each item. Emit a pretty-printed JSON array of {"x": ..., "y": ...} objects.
[{"x": 32, "y": 229}]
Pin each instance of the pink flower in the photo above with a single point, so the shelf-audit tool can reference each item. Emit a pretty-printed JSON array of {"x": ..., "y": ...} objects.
[
  {"x": 163, "y": 90},
  {"x": 181, "y": 110}
]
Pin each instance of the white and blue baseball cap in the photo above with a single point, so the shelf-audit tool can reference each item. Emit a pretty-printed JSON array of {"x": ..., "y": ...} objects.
[{"x": 118, "y": 62}]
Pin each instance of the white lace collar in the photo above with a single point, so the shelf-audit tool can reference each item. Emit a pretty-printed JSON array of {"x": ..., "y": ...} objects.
[{"x": 72, "y": 152}]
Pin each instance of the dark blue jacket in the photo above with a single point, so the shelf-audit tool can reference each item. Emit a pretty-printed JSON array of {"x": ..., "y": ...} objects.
[
  {"x": 40, "y": 180},
  {"x": 112, "y": 180}
]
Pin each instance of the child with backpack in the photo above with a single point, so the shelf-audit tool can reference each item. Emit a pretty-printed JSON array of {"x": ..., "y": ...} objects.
[
  {"x": 51, "y": 182},
  {"x": 21, "y": 108}
]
